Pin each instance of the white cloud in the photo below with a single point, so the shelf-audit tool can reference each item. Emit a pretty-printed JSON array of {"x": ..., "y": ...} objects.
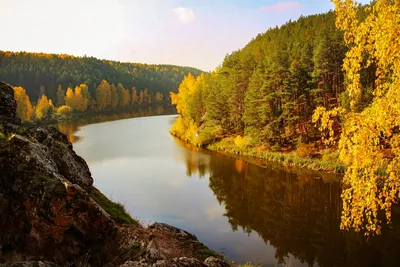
[
  {"x": 280, "y": 7},
  {"x": 185, "y": 15}
]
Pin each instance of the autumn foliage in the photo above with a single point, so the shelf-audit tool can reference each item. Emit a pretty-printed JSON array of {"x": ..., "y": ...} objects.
[
  {"x": 372, "y": 178},
  {"x": 79, "y": 99},
  {"x": 269, "y": 89},
  {"x": 24, "y": 106},
  {"x": 43, "y": 108},
  {"x": 40, "y": 73},
  {"x": 64, "y": 111}
]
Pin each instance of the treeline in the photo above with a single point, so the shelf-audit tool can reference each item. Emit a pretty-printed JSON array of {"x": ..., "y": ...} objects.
[
  {"x": 41, "y": 74},
  {"x": 79, "y": 99},
  {"x": 265, "y": 94}
]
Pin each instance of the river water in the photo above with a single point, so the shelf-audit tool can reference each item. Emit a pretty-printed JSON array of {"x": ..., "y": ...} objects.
[{"x": 269, "y": 216}]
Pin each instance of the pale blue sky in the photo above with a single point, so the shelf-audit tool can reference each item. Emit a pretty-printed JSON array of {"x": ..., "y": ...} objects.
[{"x": 197, "y": 33}]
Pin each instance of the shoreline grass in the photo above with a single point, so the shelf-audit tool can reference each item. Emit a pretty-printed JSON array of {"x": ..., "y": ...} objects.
[{"x": 327, "y": 162}]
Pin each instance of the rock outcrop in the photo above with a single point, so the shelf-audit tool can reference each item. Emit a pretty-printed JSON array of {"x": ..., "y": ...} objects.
[
  {"x": 45, "y": 209},
  {"x": 48, "y": 215},
  {"x": 8, "y": 111}
]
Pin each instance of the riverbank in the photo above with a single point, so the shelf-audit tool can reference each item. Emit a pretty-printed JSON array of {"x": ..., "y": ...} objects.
[
  {"x": 327, "y": 160},
  {"x": 305, "y": 156}
]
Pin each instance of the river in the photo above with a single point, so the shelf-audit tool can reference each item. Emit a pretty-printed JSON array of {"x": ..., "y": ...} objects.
[{"x": 269, "y": 216}]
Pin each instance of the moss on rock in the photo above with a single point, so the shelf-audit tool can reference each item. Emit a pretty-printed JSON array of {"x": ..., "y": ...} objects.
[{"x": 115, "y": 210}]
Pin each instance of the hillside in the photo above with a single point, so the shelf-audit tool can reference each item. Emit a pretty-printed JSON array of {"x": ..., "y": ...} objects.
[
  {"x": 269, "y": 90},
  {"x": 320, "y": 92},
  {"x": 41, "y": 73}
]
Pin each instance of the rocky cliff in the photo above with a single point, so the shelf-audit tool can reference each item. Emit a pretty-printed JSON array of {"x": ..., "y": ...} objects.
[{"x": 51, "y": 215}]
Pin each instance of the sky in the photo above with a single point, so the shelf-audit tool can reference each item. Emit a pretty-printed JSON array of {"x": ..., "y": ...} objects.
[{"x": 196, "y": 33}]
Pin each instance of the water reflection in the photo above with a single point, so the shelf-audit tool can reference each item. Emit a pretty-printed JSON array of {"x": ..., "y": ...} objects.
[
  {"x": 196, "y": 163},
  {"x": 269, "y": 214},
  {"x": 71, "y": 127},
  {"x": 297, "y": 213}
]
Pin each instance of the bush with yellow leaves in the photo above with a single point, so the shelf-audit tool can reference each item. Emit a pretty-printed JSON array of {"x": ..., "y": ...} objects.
[{"x": 242, "y": 142}]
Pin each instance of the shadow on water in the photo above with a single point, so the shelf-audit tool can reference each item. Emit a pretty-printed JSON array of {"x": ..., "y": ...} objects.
[{"x": 298, "y": 213}]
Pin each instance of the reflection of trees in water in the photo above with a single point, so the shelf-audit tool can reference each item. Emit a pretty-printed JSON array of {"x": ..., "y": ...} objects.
[
  {"x": 297, "y": 216},
  {"x": 292, "y": 215},
  {"x": 71, "y": 127},
  {"x": 295, "y": 213},
  {"x": 195, "y": 162}
]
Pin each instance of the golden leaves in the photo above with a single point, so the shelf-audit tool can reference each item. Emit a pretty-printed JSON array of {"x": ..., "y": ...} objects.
[
  {"x": 326, "y": 120},
  {"x": 24, "y": 106},
  {"x": 372, "y": 181},
  {"x": 43, "y": 108},
  {"x": 64, "y": 111},
  {"x": 185, "y": 127},
  {"x": 242, "y": 142},
  {"x": 77, "y": 99}
]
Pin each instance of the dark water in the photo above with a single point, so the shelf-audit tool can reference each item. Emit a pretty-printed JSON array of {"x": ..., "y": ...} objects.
[{"x": 269, "y": 216}]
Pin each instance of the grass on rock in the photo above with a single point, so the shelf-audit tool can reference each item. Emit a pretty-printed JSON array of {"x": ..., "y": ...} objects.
[{"x": 116, "y": 210}]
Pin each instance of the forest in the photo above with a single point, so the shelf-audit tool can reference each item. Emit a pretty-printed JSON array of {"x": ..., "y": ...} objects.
[
  {"x": 322, "y": 88},
  {"x": 41, "y": 73},
  {"x": 107, "y": 97},
  {"x": 51, "y": 86},
  {"x": 268, "y": 90}
]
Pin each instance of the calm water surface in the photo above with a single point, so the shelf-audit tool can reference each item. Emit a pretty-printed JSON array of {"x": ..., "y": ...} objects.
[{"x": 248, "y": 213}]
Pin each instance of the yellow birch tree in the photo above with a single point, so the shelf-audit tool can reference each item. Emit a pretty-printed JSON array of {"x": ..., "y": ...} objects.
[
  {"x": 24, "y": 106},
  {"x": 370, "y": 140}
]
